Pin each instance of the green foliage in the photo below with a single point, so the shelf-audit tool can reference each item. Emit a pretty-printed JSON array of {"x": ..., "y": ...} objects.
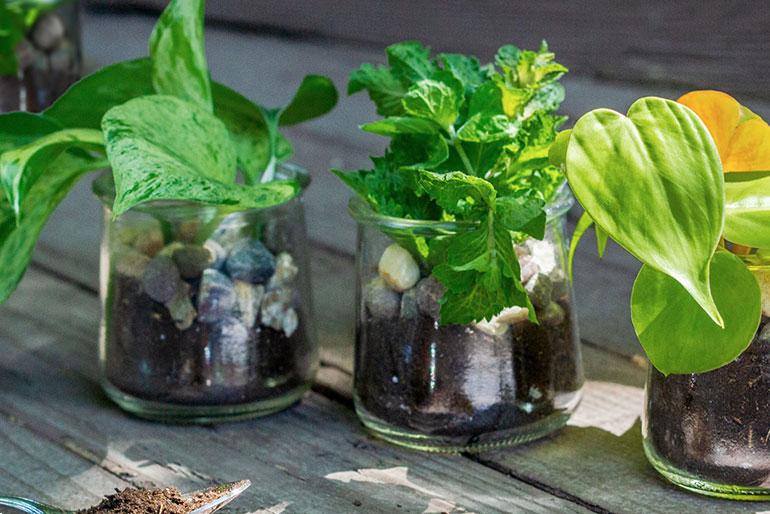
[
  {"x": 677, "y": 334},
  {"x": 462, "y": 149},
  {"x": 169, "y": 134},
  {"x": 747, "y": 209}
]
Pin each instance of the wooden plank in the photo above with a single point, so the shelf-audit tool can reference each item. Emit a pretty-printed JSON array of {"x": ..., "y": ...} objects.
[
  {"x": 687, "y": 43},
  {"x": 33, "y": 467},
  {"x": 48, "y": 341}
]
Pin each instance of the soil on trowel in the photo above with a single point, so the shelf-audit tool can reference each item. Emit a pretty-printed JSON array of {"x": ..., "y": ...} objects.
[
  {"x": 151, "y": 501},
  {"x": 717, "y": 425}
]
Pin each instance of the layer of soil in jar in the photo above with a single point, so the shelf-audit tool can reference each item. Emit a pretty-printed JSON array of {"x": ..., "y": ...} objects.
[
  {"x": 149, "y": 357},
  {"x": 457, "y": 380},
  {"x": 716, "y": 425}
]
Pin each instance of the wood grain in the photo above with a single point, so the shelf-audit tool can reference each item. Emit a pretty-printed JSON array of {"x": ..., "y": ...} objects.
[{"x": 691, "y": 43}]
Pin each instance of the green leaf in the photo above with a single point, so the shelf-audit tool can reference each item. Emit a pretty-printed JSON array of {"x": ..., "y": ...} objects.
[
  {"x": 557, "y": 154},
  {"x": 384, "y": 89},
  {"x": 457, "y": 192},
  {"x": 583, "y": 224},
  {"x": 675, "y": 332},
  {"x": 11, "y": 33},
  {"x": 487, "y": 100},
  {"x": 653, "y": 181},
  {"x": 417, "y": 151},
  {"x": 432, "y": 100},
  {"x": 195, "y": 162},
  {"x": 487, "y": 129},
  {"x": 401, "y": 125},
  {"x": 178, "y": 53},
  {"x": 523, "y": 212},
  {"x": 17, "y": 240},
  {"x": 21, "y": 167},
  {"x": 410, "y": 61},
  {"x": 601, "y": 240},
  {"x": 21, "y": 128},
  {"x": 466, "y": 69},
  {"x": 315, "y": 97},
  {"x": 747, "y": 209}
]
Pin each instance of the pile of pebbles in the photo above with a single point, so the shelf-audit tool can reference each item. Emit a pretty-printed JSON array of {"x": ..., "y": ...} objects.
[
  {"x": 466, "y": 380},
  {"x": 193, "y": 317},
  {"x": 48, "y": 63}
]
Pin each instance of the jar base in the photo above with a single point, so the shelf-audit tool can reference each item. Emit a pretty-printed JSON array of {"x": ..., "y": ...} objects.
[
  {"x": 460, "y": 444},
  {"x": 202, "y": 414},
  {"x": 696, "y": 484}
]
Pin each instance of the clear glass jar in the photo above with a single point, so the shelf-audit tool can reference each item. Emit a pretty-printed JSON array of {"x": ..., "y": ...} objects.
[
  {"x": 469, "y": 387},
  {"x": 206, "y": 317},
  {"x": 710, "y": 432},
  {"x": 48, "y": 56}
]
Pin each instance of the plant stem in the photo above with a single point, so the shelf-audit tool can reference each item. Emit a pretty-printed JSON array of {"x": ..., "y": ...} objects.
[{"x": 461, "y": 151}]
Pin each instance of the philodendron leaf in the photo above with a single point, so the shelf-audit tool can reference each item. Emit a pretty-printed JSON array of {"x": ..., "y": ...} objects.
[
  {"x": 21, "y": 128},
  {"x": 747, "y": 208},
  {"x": 675, "y": 332},
  {"x": 178, "y": 53},
  {"x": 17, "y": 239},
  {"x": 653, "y": 181},
  {"x": 194, "y": 162},
  {"x": 21, "y": 167},
  {"x": 315, "y": 97}
]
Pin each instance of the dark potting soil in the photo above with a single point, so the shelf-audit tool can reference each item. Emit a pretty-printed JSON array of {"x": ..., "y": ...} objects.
[
  {"x": 716, "y": 425},
  {"x": 456, "y": 380},
  {"x": 151, "y": 501},
  {"x": 147, "y": 356}
]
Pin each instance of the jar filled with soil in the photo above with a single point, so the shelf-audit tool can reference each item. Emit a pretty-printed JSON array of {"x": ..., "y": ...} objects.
[
  {"x": 452, "y": 388},
  {"x": 206, "y": 315},
  {"x": 710, "y": 432},
  {"x": 46, "y": 60}
]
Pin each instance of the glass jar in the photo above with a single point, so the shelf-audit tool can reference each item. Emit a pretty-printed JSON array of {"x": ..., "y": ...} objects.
[
  {"x": 48, "y": 55},
  {"x": 468, "y": 387},
  {"x": 710, "y": 432},
  {"x": 206, "y": 316}
]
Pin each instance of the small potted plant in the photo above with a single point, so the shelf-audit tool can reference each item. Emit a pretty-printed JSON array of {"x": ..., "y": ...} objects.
[
  {"x": 39, "y": 52},
  {"x": 685, "y": 187},
  {"x": 205, "y": 276},
  {"x": 466, "y": 336}
]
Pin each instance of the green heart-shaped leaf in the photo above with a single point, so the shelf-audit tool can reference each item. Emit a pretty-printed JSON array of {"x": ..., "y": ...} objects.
[
  {"x": 675, "y": 332},
  {"x": 748, "y": 209},
  {"x": 653, "y": 181}
]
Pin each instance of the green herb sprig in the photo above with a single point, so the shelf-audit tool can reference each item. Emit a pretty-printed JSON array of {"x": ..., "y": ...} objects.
[
  {"x": 167, "y": 131},
  {"x": 468, "y": 143}
]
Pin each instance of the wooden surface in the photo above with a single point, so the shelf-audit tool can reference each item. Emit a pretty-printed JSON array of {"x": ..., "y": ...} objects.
[
  {"x": 62, "y": 441},
  {"x": 703, "y": 43}
]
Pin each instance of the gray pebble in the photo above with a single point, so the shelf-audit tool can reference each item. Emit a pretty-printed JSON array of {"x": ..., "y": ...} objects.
[
  {"x": 285, "y": 270},
  {"x": 229, "y": 231},
  {"x": 429, "y": 292},
  {"x": 63, "y": 58},
  {"x": 539, "y": 289},
  {"x": 381, "y": 301},
  {"x": 48, "y": 31},
  {"x": 216, "y": 298},
  {"x": 161, "y": 280},
  {"x": 218, "y": 253},
  {"x": 275, "y": 304},
  {"x": 181, "y": 308},
  {"x": 192, "y": 260},
  {"x": 251, "y": 261},
  {"x": 249, "y": 299},
  {"x": 528, "y": 268},
  {"x": 230, "y": 346},
  {"x": 553, "y": 314},
  {"x": 290, "y": 322},
  {"x": 409, "y": 309}
]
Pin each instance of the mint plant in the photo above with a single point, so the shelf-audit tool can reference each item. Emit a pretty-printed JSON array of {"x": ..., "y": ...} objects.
[
  {"x": 166, "y": 130},
  {"x": 469, "y": 142}
]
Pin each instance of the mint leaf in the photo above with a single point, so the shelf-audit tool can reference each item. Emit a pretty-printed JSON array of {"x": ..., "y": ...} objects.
[
  {"x": 487, "y": 129},
  {"x": 178, "y": 54},
  {"x": 466, "y": 69},
  {"x": 433, "y": 100},
  {"x": 487, "y": 99},
  {"x": 524, "y": 212},
  {"x": 384, "y": 89},
  {"x": 456, "y": 192},
  {"x": 417, "y": 151},
  {"x": 315, "y": 97},
  {"x": 410, "y": 61},
  {"x": 401, "y": 125}
]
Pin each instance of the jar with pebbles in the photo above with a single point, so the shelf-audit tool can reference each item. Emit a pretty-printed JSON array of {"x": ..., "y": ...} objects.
[
  {"x": 452, "y": 388},
  {"x": 47, "y": 55},
  {"x": 206, "y": 315}
]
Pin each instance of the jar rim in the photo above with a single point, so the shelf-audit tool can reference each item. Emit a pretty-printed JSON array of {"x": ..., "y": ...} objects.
[
  {"x": 103, "y": 188},
  {"x": 362, "y": 212}
]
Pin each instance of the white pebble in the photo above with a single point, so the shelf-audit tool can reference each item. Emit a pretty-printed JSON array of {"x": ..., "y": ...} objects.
[
  {"x": 398, "y": 268},
  {"x": 513, "y": 315},
  {"x": 492, "y": 327}
]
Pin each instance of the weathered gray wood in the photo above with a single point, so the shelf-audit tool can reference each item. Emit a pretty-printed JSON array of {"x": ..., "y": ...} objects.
[
  {"x": 706, "y": 43},
  {"x": 32, "y": 467},
  {"x": 48, "y": 381}
]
